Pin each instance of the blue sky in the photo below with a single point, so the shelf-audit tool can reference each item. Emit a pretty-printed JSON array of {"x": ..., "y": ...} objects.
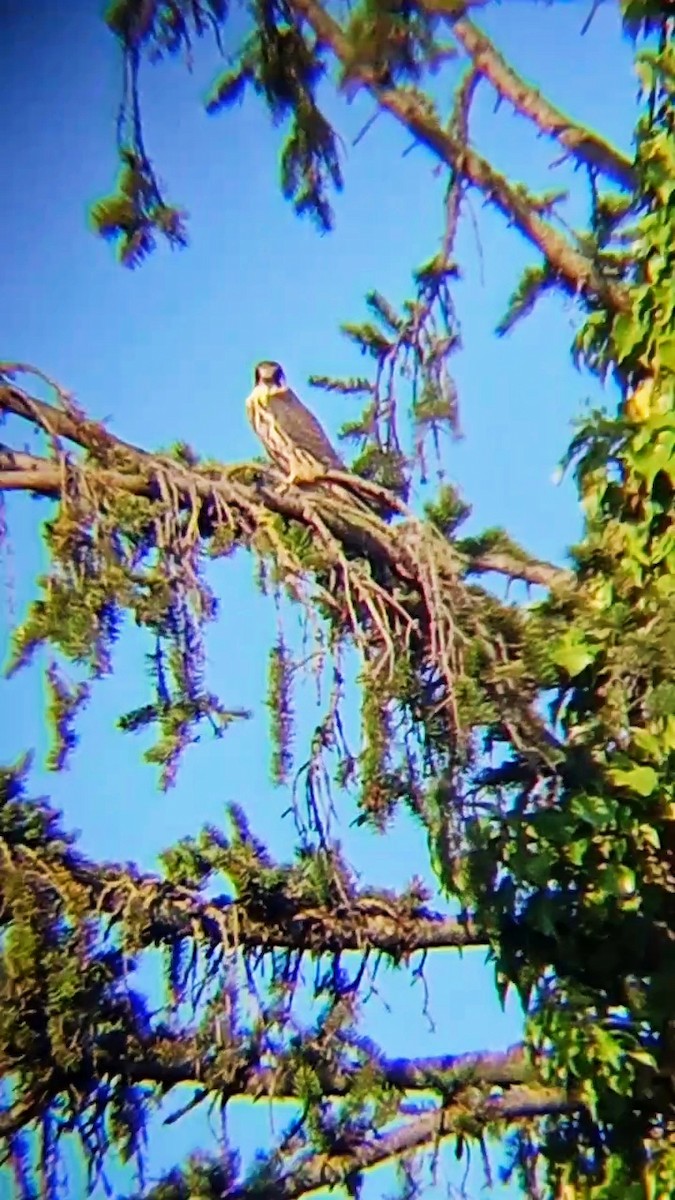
[{"x": 166, "y": 353}]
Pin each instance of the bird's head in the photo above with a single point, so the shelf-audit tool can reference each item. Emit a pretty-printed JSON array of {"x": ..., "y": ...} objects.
[{"x": 269, "y": 375}]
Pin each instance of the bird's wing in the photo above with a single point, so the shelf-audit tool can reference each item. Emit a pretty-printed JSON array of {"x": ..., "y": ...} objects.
[{"x": 302, "y": 427}]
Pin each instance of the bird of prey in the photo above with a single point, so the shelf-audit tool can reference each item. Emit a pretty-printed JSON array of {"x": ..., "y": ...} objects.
[{"x": 292, "y": 437}]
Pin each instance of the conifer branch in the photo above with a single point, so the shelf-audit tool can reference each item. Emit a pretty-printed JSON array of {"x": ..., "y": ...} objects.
[
  {"x": 527, "y": 570},
  {"x": 577, "y": 273},
  {"x": 380, "y": 922},
  {"x": 413, "y": 593},
  {"x": 582, "y": 143},
  {"x": 354, "y": 1153},
  {"x": 169, "y": 1062},
  {"x": 423, "y": 1131},
  {"x": 20, "y": 471}
]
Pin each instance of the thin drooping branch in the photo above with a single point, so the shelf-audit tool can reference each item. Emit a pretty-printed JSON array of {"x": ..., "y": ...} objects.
[
  {"x": 22, "y": 1114},
  {"x": 577, "y": 273},
  {"x": 582, "y": 143}
]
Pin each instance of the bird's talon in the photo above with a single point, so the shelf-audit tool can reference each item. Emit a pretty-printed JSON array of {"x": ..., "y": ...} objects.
[{"x": 297, "y": 478}]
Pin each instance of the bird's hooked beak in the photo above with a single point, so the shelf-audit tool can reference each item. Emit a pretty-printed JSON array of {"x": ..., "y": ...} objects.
[{"x": 269, "y": 374}]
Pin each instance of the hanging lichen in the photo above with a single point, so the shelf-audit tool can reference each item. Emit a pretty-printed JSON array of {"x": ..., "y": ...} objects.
[{"x": 280, "y": 705}]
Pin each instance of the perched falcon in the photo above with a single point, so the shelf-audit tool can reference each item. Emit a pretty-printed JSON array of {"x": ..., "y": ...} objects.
[{"x": 292, "y": 437}]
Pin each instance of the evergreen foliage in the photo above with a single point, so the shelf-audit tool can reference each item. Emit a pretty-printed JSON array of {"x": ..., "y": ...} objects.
[{"x": 533, "y": 743}]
